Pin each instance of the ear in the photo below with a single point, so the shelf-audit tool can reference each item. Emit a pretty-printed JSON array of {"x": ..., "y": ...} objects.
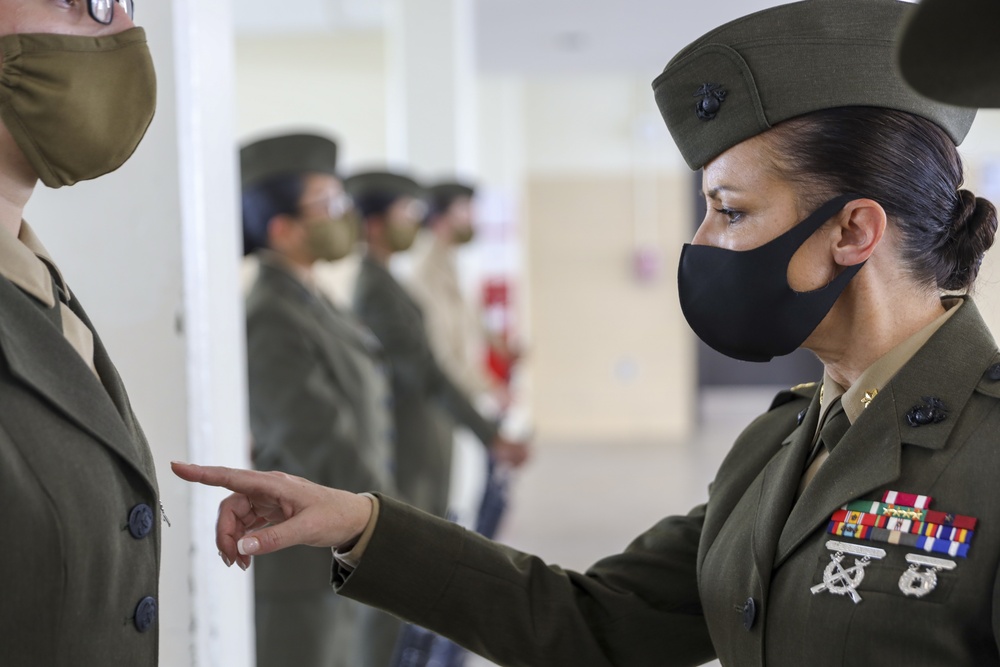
[
  {"x": 278, "y": 228},
  {"x": 861, "y": 225}
]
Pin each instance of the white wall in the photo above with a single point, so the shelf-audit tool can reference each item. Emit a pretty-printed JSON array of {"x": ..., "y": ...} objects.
[{"x": 333, "y": 84}]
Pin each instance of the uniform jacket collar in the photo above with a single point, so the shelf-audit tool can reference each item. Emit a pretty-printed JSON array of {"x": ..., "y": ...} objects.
[
  {"x": 322, "y": 312},
  {"x": 948, "y": 368},
  {"x": 25, "y": 262},
  {"x": 379, "y": 279}
]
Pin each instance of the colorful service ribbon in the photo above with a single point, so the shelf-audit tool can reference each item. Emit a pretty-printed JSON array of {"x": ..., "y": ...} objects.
[
  {"x": 912, "y": 513},
  {"x": 951, "y": 533},
  {"x": 905, "y": 519},
  {"x": 919, "y": 542}
]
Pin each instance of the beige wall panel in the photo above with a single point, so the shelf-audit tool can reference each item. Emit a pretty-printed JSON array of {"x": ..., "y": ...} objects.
[
  {"x": 595, "y": 123},
  {"x": 335, "y": 83},
  {"x": 611, "y": 357}
]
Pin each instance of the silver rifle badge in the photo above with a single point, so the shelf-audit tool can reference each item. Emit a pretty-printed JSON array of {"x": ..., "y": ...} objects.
[
  {"x": 845, "y": 581},
  {"x": 918, "y": 582}
]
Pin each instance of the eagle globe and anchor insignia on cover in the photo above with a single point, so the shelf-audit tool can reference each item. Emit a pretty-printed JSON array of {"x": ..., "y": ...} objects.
[{"x": 710, "y": 98}]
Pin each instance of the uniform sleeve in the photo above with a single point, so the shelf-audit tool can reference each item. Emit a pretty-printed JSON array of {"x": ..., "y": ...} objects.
[
  {"x": 414, "y": 368},
  {"x": 639, "y": 608},
  {"x": 302, "y": 422}
]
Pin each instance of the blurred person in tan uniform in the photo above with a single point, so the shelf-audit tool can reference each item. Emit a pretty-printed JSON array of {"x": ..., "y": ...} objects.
[
  {"x": 459, "y": 342},
  {"x": 453, "y": 324}
]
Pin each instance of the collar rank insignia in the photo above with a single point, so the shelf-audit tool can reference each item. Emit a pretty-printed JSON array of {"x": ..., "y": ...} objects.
[{"x": 711, "y": 96}]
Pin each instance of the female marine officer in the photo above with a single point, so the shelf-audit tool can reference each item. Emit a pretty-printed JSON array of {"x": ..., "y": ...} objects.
[
  {"x": 81, "y": 540},
  {"x": 852, "y": 523}
]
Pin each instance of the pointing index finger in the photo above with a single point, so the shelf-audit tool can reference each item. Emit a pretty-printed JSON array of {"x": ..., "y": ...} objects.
[{"x": 247, "y": 482}]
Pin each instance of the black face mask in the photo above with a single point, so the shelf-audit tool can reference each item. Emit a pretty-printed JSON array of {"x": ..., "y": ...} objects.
[{"x": 740, "y": 303}]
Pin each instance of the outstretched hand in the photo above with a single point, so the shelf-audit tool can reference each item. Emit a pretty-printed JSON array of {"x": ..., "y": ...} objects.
[
  {"x": 270, "y": 511},
  {"x": 509, "y": 452}
]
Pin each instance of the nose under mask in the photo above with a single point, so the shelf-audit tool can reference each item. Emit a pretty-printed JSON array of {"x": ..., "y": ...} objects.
[{"x": 740, "y": 303}]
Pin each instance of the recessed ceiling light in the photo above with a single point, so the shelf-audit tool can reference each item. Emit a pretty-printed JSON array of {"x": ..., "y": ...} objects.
[{"x": 572, "y": 41}]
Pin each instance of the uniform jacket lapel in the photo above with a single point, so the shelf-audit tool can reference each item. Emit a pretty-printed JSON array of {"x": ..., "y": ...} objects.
[
  {"x": 40, "y": 357},
  {"x": 316, "y": 311},
  {"x": 868, "y": 458},
  {"x": 780, "y": 481},
  {"x": 387, "y": 289}
]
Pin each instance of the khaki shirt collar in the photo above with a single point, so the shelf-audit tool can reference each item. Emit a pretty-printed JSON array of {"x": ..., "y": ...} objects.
[
  {"x": 23, "y": 262},
  {"x": 432, "y": 252},
  {"x": 861, "y": 393}
]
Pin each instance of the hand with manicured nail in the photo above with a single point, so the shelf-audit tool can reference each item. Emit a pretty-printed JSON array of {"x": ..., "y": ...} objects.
[{"x": 270, "y": 511}]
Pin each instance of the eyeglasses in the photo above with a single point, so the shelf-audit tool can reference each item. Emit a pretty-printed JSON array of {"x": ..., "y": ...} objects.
[
  {"x": 336, "y": 207},
  {"x": 103, "y": 11}
]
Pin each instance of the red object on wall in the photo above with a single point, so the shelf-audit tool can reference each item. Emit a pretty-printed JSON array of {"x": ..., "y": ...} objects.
[{"x": 497, "y": 315}]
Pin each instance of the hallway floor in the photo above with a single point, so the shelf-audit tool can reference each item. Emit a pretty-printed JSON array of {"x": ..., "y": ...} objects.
[{"x": 578, "y": 502}]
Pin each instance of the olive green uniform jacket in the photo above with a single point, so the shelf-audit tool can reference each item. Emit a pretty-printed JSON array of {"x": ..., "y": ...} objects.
[
  {"x": 320, "y": 409},
  {"x": 427, "y": 403},
  {"x": 732, "y": 578},
  {"x": 81, "y": 519}
]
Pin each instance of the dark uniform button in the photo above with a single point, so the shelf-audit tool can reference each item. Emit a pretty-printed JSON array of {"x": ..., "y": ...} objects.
[
  {"x": 145, "y": 614},
  {"x": 801, "y": 418},
  {"x": 994, "y": 373},
  {"x": 749, "y": 613},
  {"x": 140, "y": 521}
]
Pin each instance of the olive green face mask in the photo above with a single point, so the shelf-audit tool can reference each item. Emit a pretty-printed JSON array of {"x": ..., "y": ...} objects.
[
  {"x": 76, "y": 106},
  {"x": 463, "y": 235},
  {"x": 401, "y": 236},
  {"x": 331, "y": 239}
]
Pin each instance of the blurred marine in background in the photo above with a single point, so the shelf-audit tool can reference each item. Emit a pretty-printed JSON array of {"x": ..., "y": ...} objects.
[
  {"x": 428, "y": 403},
  {"x": 458, "y": 338},
  {"x": 319, "y": 395}
]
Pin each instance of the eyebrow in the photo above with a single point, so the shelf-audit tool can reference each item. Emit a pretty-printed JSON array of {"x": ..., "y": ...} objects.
[{"x": 714, "y": 192}]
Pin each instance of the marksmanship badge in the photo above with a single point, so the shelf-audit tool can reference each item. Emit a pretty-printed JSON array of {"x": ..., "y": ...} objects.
[
  {"x": 918, "y": 582},
  {"x": 845, "y": 581}
]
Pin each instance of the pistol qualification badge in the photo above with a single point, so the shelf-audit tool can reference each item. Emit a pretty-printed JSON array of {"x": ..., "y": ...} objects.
[
  {"x": 917, "y": 582},
  {"x": 839, "y": 580}
]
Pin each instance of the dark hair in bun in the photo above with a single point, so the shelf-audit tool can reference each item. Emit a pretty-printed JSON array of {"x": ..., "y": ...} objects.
[
  {"x": 907, "y": 164},
  {"x": 960, "y": 250}
]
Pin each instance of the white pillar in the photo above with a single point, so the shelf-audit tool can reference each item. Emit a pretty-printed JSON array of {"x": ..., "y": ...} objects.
[
  {"x": 152, "y": 253},
  {"x": 432, "y": 86}
]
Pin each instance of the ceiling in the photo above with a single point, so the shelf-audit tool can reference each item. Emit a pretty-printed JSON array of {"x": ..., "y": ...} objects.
[
  {"x": 530, "y": 36},
  {"x": 562, "y": 36}
]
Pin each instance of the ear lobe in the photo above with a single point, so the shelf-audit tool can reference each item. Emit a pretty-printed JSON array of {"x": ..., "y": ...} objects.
[
  {"x": 277, "y": 228},
  {"x": 862, "y": 225}
]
